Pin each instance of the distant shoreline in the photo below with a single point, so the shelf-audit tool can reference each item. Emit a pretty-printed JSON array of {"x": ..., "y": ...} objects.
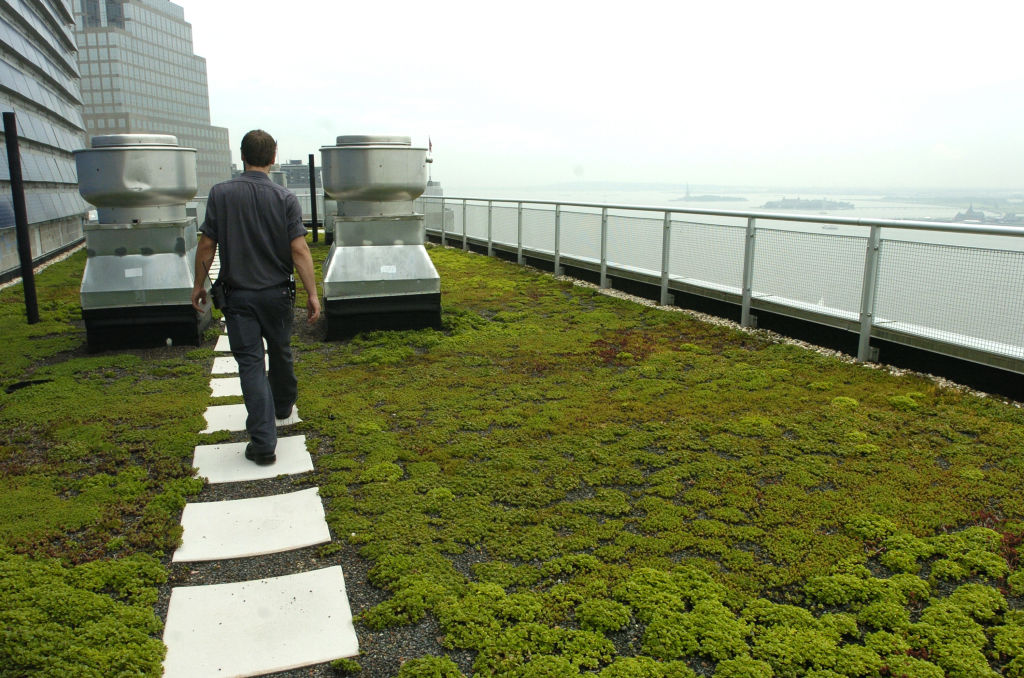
[
  {"x": 801, "y": 204},
  {"x": 709, "y": 198}
]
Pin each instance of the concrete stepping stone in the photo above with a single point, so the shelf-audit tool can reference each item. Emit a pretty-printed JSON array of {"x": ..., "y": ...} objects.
[
  {"x": 257, "y": 627},
  {"x": 224, "y": 346},
  {"x": 228, "y": 365},
  {"x": 240, "y": 528},
  {"x": 224, "y": 387},
  {"x": 292, "y": 418},
  {"x": 232, "y": 418},
  {"x": 226, "y": 462}
]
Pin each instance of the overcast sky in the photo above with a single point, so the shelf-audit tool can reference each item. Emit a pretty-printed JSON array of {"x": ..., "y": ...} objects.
[{"x": 890, "y": 94}]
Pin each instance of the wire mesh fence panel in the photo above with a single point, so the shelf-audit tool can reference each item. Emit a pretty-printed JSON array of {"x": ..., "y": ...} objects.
[
  {"x": 306, "y": 203},
  {"x": 635, "y": 242},
  {"x": 505, "y": 224},
  {"x": 709, "y": 254},
  {"x": 950, "y": 293},
  {"x": 964, "y": 295},
  {"x": 581, "y": 235},
  {"x": 819, "y": 270},
  {"x": 455, "y": 232},
  {"x": 476, "y": 221},
  {"x": 539, "y": 229},
  {"x": 431, "y": 210},
  {"x": 200, "y": 206}
]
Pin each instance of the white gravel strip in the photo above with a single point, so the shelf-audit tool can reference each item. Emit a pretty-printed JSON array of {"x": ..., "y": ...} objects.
[{"x": 43, "y": 266}]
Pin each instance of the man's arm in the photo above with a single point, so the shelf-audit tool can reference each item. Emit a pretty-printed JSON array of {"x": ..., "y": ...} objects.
[
  {"x": 204, "y": 260},
  {"x": 303, "y": 261}
]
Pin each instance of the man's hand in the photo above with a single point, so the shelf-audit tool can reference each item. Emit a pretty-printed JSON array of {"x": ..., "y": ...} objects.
[
  {"x": 303, "y": 262},
  {"x": 199, "y": 298},
  {"x": 312, "y": 308},
  {"x": 204, "y": 259}
]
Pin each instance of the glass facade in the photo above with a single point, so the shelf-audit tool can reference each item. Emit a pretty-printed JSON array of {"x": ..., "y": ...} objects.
[
  {"x": 139, "y": 75},
  {"x": 296, "y": 174},
  {"x": 39, "y": 82}
]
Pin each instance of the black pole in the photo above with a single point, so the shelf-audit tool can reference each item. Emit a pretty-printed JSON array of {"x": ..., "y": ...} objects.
[
  {"x": 312, "y": 193},
  {"x": 28, "y": 279}
]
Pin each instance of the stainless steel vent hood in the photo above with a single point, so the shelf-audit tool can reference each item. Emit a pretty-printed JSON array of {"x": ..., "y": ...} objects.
[
  {"x": 137, "y": 285},
  {"x": 378, "y": 274}
]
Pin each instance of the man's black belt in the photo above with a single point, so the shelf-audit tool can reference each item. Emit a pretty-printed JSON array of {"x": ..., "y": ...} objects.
[{"x": 286, "y": 283}]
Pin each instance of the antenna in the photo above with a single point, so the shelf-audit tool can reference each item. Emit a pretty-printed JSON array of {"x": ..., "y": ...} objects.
[{"x": 430, "y": 160}]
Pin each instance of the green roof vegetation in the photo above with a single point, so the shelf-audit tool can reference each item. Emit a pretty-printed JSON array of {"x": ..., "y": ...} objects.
[{"x": 567, "y": 482}]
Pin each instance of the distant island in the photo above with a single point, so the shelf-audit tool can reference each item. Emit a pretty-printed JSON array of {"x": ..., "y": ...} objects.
[
  {"x": 801, "y": 204},
  {"x": 709, "y": 198}
]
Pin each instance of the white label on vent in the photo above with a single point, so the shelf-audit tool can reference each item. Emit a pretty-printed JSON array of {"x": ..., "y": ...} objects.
[
  {"x": 389, "y": 269},
  {"x": 133, "y": 273}
]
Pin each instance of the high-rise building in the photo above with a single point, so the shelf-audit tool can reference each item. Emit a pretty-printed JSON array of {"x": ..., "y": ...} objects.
[
  {"x": 39, "y": 83},
  {"x": 139, "y": 75},
  {"x": 296, "y": 173}
]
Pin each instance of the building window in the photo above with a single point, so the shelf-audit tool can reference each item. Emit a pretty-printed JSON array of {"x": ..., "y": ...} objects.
[
  {"x": 115, "y": 13},
  {"x": 92, "y": 13}
]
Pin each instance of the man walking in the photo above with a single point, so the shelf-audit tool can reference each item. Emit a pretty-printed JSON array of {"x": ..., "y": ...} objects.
[{"x": 257, "y": 227}]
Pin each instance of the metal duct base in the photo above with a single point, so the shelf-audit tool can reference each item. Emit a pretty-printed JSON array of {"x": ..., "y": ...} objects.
[
  {"x": 376, "y": 287},
  {"x": 137, "y": 285},
  {"x": 347, "y": 317},
  {"x": 144, "y": 326},
  {"x": 131, "y": 265}
]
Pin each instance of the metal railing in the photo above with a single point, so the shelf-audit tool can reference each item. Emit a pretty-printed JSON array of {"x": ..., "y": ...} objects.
[
  {"x": 883, "y": 279},
  {"x": 879, "y": 278},
  {"x": 197, "y": 206}
]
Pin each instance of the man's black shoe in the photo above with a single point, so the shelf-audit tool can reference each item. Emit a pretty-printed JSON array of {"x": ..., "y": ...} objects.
[
  {"x": 283, "y": 412},
  {"x": 261, "y": 458}
]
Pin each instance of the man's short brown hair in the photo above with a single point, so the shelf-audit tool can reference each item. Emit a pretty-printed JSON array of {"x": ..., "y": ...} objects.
[{"x": 258, "y": 148}]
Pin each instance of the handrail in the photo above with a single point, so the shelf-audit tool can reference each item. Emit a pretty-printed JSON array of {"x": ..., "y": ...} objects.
[
  {"x": 987, "y": 351},
  {"x": 970, "y": 342},
  {"x": 906, "y": 224}
]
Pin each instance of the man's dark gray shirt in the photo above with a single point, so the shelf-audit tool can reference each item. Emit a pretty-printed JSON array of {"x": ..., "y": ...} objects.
[{"x": 254, "y": 222}]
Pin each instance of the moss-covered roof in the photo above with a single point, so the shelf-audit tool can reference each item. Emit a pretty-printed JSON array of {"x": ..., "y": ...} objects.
[{"x": 566, "y": 482}]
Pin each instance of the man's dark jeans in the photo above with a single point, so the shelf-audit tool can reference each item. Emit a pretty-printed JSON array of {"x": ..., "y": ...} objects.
[{"x": 251, "y": 316}]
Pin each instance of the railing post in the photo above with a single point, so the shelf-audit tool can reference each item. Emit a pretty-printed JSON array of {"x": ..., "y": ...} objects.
[
  {"x": 312, "y": 196},
  {"x": 442, "y": 222},
  {"x": 867, "y": 296},
  {"x": 490, "y": 238},
  {"x": 604, "y": 247},
  {"x": 746, "y": 318},
  {"x": 558, "y": 240},
  {"x": 465, "y": 243},
  {"x": 519, "y": 236},
  {"x": 21, "y": 233},
  {"x": 666, "y": 245}
]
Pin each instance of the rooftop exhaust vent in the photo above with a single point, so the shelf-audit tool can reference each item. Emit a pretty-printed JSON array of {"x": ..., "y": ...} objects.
[
  {"x": 378, "y": 274},
  {"x": 137, "y": 285},
  {"x": 108, "y": 140}
]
